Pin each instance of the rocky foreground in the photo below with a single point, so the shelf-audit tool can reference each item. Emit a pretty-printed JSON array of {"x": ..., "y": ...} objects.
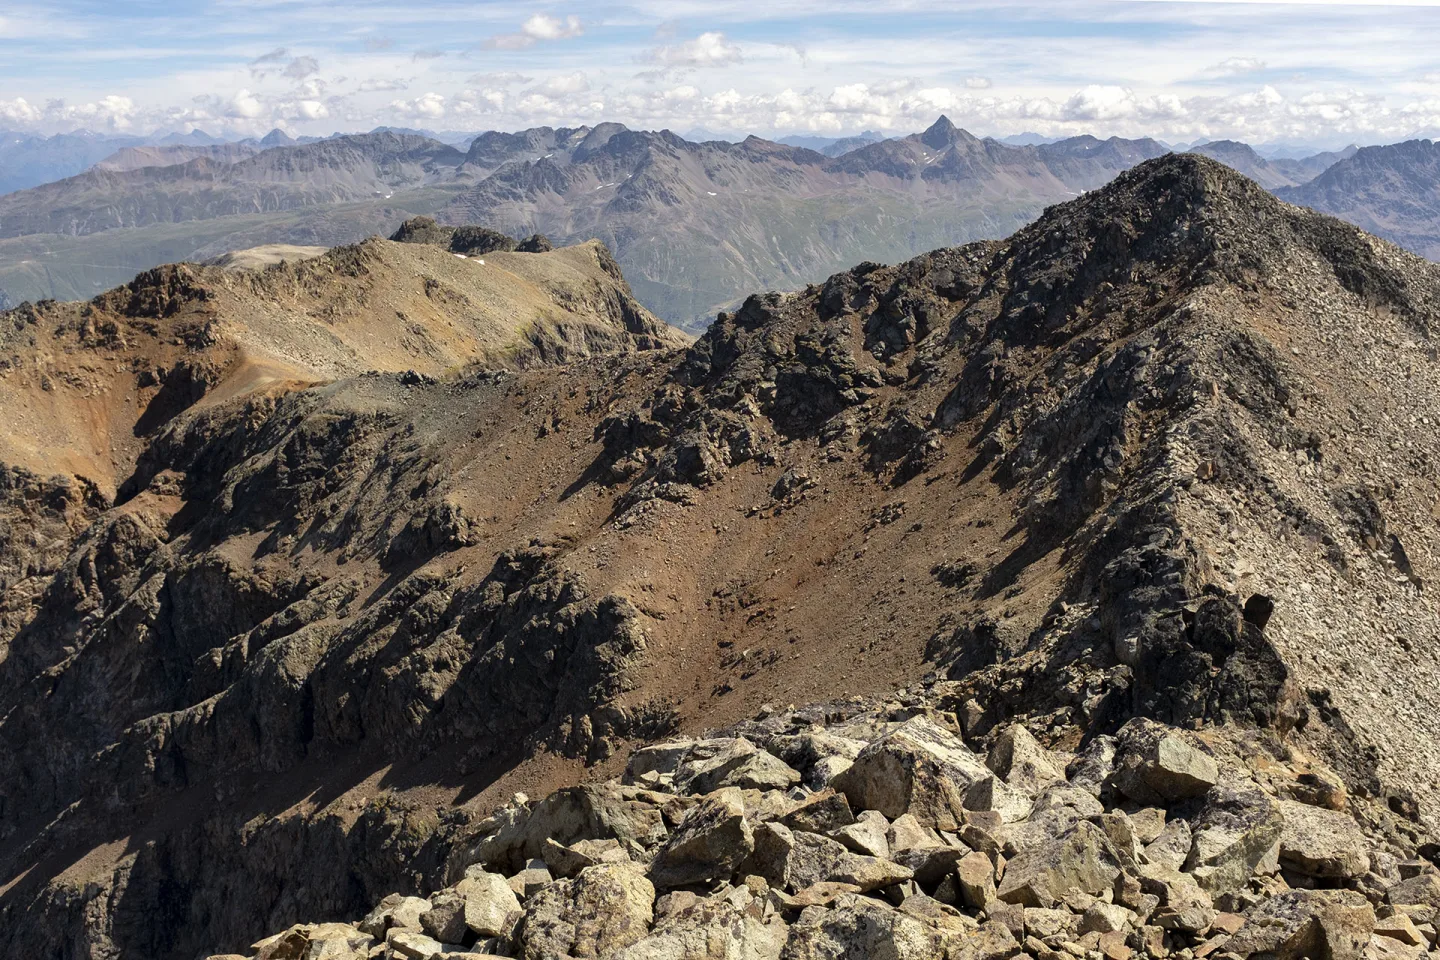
[{"x": 872, "y": 829}]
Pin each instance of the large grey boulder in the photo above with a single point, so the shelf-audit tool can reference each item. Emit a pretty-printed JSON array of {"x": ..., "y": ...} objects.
[
  {"x": 1079, "y": 860},
  {"x": 727, "y": 926},
  {"x": 1301, "y": 924},
  {"x": 490, "y": 906},
  {"x": 712, "y": 840},
  {"x": 1156, "y": 765},
  {"x": 1236, "y": 834},
  {"x": 859, "y": 928},
  {"x": 739, "y": 763},
  {"x": 606, "y": 908},
  {"x": 919, "y": 768},
  {"x": 1317, "y": 842},
  {"x": 394, "y": 911},
  {"x": 1018, "y": 759}
]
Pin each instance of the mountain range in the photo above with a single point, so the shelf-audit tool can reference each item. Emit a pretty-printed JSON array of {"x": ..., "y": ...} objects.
[
  {"x": 694, "y": 224},
  {"x": 1062, "y": 594}
]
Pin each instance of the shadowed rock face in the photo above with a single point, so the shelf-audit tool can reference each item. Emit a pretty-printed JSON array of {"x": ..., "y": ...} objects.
[{"x": 1092, "y": 473}]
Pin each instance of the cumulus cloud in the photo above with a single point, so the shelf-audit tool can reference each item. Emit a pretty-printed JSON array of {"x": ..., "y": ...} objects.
[
  {"x": 541, "y": 26},
  {"x": 382, "y": 84},
  {"x": 710, "y": 49},
  {"x": 977, "y": 83},
  {"x": 245, "y": 105}
]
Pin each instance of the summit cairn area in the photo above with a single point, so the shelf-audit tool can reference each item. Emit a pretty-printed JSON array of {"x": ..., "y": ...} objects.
[{"x": 866, "y": 828}]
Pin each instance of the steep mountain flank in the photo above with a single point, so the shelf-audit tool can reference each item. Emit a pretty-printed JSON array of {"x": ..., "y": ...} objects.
[
  {"x": 1392, "y": 191},
  {"x": 1161, "y": 454}
]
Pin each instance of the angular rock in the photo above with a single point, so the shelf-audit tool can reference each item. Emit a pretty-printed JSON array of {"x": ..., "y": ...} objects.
[
  {"x": 445, "y": 920},
  {"x": 412, "y": 945},
  {"x": 606, "y": 908},
  {"x": 1335, "y": 924},
  {"x": 320, "y": 941},
  {"x": 712, "y": 840},
  {"x": 1317, "y": 842},
  {"x": 867, "y": 835},
  {"x": 534, "y": 878},
  {"x": 815, "y": 859},
  {"x": 727, "y": 925},
  {"x": 738, "y": 764},
  {"x": 857, "y": 927},
  {"x": 394, "y": 911},
  {"x": 567, "y": 861},
  {"x": 1182, "y": 903},
  {"x": 1172, "y": 847},
  {"x": 1155, "y": 765},
  {"x": 975, "y": 875},
  {"x": 1236, "y": 832},
  {"x": 1019, "y": 759},
  {"x": 1082, "y": 859},
  {"x": 824, "y": 812},
  {"x": 1422, "y": 889},
  {"x": 920, "y": 768},
  {"x": 491, "y": 907}
]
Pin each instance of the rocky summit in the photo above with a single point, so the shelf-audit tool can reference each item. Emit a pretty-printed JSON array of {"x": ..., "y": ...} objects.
[{"x": 1063, "y": 596}]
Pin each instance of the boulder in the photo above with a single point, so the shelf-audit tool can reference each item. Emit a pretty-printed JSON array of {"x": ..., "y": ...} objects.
[
  {"x": 825, "y": 812},
  {"x": 606, "y": 811},
  {"x": 445, "y": 920},
  {"x": 1236, "y": 833},
  {"x": 710, "y": 842},
  {"x": 491, "y": 907},
  {"x": 857, "y": 927},
  {"x": 1316, "y": 842},
  {"x": 412, "y": 945},
  {"x": 867, "y": 835},
  {"x": 1155, "y": 765},
  {"x": 728, "y": 925},
  {"x": 394, "y": 911},
  {"x": 739, "y": 763},
  {"x": 1172, "y": 847},
  {"x": 1301, "y": 924},
  {"x": 1422, "y": 889},
  {"x": 567, "y": 861},
  {"x": 1081, "y": 859},
  {"x": 919, "y": 768},
  {"x": 1181, "y": 903},
  {"x": 1019, "y": 759},
  {"x": 315, "y": 941},
  {"x": 603, "y": 910},
  {"x": 531, "y": 880},
  {"x": 975, "y": 874},
  {"x": 815, "y": 859}
]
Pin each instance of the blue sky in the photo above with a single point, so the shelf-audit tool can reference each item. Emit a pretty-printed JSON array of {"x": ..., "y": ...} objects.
[{"x": 1326, "y": 73}]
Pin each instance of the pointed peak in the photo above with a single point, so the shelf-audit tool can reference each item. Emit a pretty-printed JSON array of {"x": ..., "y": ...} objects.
[{"x": 941, "y": 134}]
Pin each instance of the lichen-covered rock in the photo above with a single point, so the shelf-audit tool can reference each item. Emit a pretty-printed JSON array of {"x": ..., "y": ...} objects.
[
  {"x": 1304, "y": 924},
  {"x": 1155, "y": 765},
  {"x": 490, "y": 906},
  {"x": 606, "y": 908},
  {"x": 730, "y": 925},
  {"x": 859, "y": 928},
  {"x": 921, "y": 769},
  {"x": 1081, "y": 859},
  {"x": 1236, "y": 831},
  {"x": 712, "y": 840},
  {"x": 1317, "y": 842}
]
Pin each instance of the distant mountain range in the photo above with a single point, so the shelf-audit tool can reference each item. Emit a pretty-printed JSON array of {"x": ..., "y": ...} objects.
[
  {"x": 695, "y": 225},
  {"x": 1392, "y": 191}
]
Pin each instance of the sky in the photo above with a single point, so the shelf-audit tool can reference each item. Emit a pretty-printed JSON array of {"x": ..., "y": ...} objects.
[{"x": 1322, "y": 74}]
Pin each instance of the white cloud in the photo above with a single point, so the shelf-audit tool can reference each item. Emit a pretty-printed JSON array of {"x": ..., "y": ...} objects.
[
  {"x": 977, "y": 83},
  {"x": 539, "y": 27},
  {"x": 710, "y": 49},
  {"x": 1236, "y": 66},
  {"x": 246, "y": 105}
]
